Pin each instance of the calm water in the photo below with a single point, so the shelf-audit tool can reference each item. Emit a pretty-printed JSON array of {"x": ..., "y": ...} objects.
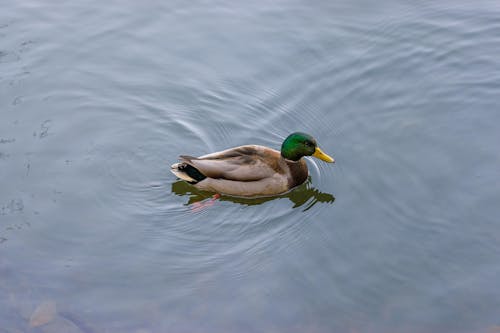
[{"x": 97, "y": 99}]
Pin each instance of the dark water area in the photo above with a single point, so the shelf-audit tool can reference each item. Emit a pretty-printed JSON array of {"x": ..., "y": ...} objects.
[{"x": 97, "y": 99}]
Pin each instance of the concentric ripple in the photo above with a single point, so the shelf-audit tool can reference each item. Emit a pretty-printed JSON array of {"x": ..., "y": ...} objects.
[{"x": 227, "y": 227}]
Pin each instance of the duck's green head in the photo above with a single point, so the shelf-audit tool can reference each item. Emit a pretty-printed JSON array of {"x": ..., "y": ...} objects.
[{"x": 300, "y": 144}]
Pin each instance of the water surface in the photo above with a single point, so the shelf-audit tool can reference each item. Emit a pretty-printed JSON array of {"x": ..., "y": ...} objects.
[{"x": 97, "y": 99}]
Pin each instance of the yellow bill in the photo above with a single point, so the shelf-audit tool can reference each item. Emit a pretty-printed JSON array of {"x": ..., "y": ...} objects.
[{"x": 318, "y": 153}]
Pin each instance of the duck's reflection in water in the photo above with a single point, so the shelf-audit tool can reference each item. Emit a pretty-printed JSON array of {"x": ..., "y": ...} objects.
[{"x": 305, "y": 196}]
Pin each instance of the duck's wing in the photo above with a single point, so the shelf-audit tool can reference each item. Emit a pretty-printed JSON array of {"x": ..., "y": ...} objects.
[{"x": 245, "y": 163}]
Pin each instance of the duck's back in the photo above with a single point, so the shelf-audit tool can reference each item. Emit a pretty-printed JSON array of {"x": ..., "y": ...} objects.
[{"x": 244, "y": 163}]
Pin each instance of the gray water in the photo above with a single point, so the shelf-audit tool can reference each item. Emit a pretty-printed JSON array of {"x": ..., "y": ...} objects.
[{"x": 98, "y": 98}]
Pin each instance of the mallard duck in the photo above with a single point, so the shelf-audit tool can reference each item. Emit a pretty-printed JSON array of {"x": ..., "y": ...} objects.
[{"x": 251, "y": 170}]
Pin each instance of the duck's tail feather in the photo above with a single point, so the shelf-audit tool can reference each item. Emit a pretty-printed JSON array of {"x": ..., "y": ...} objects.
[{"x": 187, "y": 172}]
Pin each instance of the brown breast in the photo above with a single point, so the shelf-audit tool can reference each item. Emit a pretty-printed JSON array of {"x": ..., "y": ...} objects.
[{"x": 298, "y": 172}]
